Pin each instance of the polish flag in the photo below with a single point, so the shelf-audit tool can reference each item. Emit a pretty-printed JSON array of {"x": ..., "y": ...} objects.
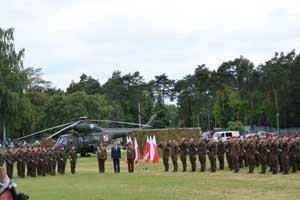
[
  {"x": 137, "y": 152},
  {"x": 152, "y": 150},
  {"x": 155, "y": 157},
  {"x": 147, "y": 151}
]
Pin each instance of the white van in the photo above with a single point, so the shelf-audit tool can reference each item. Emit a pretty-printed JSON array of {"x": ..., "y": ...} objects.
[{"x": 225, "y": 135}]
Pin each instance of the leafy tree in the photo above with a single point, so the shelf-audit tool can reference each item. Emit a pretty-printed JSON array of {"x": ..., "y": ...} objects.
[
  {"x": 14, "y": 107},
  {"x": 236, "y": 126}
]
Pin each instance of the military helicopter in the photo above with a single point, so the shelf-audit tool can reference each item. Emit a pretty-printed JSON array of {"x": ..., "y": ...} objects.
[{"x": 85, "y": 134}]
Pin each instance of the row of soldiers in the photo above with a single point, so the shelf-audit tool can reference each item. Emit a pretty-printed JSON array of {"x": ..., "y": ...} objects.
[
  {"x": 279, "y": 153},
  {"x": 38, "y": 161}
]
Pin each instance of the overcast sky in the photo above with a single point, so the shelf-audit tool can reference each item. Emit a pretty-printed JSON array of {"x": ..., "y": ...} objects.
[{"x": 70, "y": 37}]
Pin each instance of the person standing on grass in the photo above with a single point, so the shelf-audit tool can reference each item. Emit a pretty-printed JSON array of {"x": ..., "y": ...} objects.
[
  {"x": 116, "y": 156},
  {"x": 212, "y": 154},
  {"x": 221, "y": 152},
  {"x": 10, "y": 160},
  {"x": 201, "y": 150},
  {"x": 101, "y": 156},
  {"x": 165, "y": 154},
  {"x": 183, "y": 153},
  {"x": 130, "y": 157},
  {"x": 192, "y": 153},
  {"x": 61, "y": 161},
  {"x": 73, "y": 159}
]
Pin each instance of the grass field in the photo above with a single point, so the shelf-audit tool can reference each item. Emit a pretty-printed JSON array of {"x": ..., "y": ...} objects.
[{"x": 88, "y": 184}]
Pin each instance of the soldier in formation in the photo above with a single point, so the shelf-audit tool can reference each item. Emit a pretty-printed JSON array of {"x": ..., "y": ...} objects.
[
  {"x": 165, "y": 154},
  {"x": 37, "y": 161},
  {"x": 73, "y": 159}
]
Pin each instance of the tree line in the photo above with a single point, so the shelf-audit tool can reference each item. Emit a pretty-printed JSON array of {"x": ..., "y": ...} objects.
[{"x": 237, "y": 92}]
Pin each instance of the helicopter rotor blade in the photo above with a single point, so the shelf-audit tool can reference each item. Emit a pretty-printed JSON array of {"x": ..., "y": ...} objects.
[
  {"x": 120, "y": 122},
  {"x": 63, "y": 129},
  {"x": 45, "y": 130}
]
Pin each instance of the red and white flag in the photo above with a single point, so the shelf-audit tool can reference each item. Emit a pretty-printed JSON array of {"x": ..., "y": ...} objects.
[
  {"x": 147, "y": 151},
  {"x": 152, "y": 151},
  {"x": 155, "y": 157},
  {"x": 137, "y": 152}
]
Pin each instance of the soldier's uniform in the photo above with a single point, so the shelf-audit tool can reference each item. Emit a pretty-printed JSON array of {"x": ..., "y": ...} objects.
[
  {"x": 10, "y": 160},
  {"x": 27, "y": 163},
  {"x": 38, "y": 166},
  {"x": 183, "y": 154},
  {"x": 251, "y": 154},
  {"x": 20, "y": 163},
  {"x": 294, "y": 151},
  {"x": 228, "y": 154},
  {"x": 61, "y": 162},
  {"x": 32, "y": 155},
  {"x": 280, "y": 161},
  {"x": 42, "y": 163},
  {"x": 234, "y": 154},
  {"x": 243, "y": 157},
  {"x": 221, "y": 152},
  {"x": 212, "y": 154},
  {"x": 174, "y": 155},
  {"x": 51, "y": 162},
  {"x": 73, "y": 159},
  {"x": 130, "y": 151},
  {"x": 285, "y": 157},
  {"x": 202, "y": 149},
  {"x": 165, "y": 154},
  {"x": 263, "y": 151},
  {"x": 192, "y": 155},
  {"x": 274, "y": 157},
  {"x": 101, "y": 156}
]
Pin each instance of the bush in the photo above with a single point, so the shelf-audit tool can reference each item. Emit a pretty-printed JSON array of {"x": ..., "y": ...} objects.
[{"x": 235, "y": 126}]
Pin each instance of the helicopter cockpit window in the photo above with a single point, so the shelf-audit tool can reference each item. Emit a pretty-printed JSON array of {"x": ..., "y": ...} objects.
[
  {"x": 80, "y": 139},
  {"x": 62, "y": 140}
]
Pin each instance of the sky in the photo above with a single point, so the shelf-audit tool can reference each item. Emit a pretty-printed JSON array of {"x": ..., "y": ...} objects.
[{"x": 96, "y": 37}]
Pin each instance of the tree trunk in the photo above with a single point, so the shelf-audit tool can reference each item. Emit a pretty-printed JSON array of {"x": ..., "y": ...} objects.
[{"x": 4, "y": 133}]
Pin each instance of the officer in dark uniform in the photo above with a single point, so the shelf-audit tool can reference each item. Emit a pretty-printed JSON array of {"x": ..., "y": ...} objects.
[
  {"x": 234, "y": 154},
  {"x": 101, "y": 156},
  {"x": 202, "y": 150},
  {"x": 174, "y": 154},
  {"x": 73, "y": 158},
  {"x": 221, "y": 152},
  {"x": 212, "y": 154},
  {"x": 10, "y": 160},
  {"x": 26, "y": 157},
  {"x": 285, "y": 155},
  {"x": 294, "y": 151},
  {"x": 42, "y": 162},
  {"x": 274, "y": 155},
  {"x": 33, "y": 161},
  {"x": 20, "y": 162},
  {"x": 51, "y": 162},
  {"x": 228, "y": 152},
  {"x": 251, "y": 152},
  {"x": 263, "y": 151},
  {"x": 192, "y": 154},
  {"x": 61, "y": 161},
  {"x": 243, "y": 157},
  {"x": 130, "y": 151},
  {"x": 165, "y": 154},
  {"x": 183, "y": 153}
]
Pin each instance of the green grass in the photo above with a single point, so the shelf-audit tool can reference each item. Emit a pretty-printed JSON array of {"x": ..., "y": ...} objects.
[{"x": 88, "y": 184}]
